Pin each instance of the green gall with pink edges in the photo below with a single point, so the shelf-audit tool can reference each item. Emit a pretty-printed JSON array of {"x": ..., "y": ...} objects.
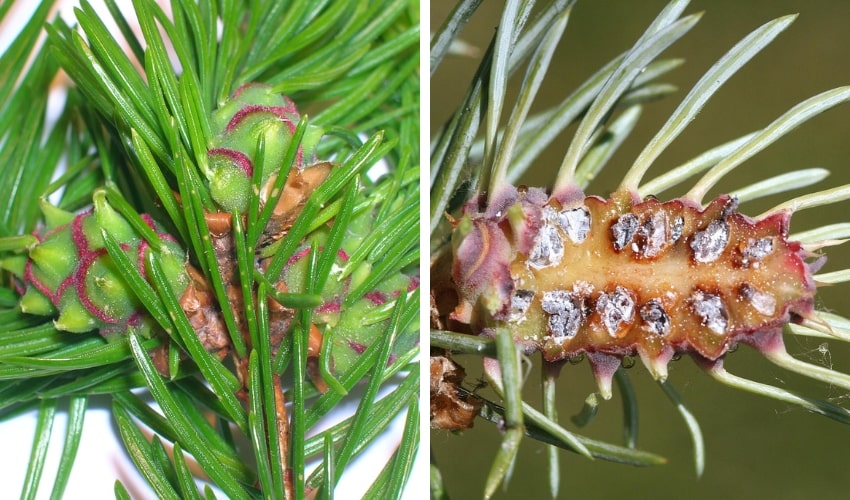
[
  {"x": 69, "y": 273},
  {"x": 252, "y": 113},
  {"x": 351, "y": 328}
]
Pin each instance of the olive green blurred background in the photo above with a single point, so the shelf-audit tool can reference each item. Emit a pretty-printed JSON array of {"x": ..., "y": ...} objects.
[{"x": 756, "y": 447}]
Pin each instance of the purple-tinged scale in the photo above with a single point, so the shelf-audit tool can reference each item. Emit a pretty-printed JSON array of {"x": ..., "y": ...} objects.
[
  {"x": 283, "y": 113},
  {"x": 237, "y": 157},
  {"x": 376, "y": 297}
]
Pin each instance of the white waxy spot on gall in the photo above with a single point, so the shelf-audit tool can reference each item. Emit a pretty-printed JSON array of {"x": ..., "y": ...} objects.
[
  {"x": 709, "y": 244},
  {"x": 576, "y": 223},
  {"x": 566, "y": 313},
  {"x": 617, "y": 309},
  {"x": 711, "y": 311}
]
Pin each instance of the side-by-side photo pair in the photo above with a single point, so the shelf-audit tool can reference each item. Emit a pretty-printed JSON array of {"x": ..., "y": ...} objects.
[{"x": 232, "y": 230}]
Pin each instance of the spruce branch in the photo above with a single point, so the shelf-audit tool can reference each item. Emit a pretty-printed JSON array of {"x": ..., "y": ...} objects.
[
  {"x": 237, "y": 339},
  {"x": 508, "y": 263}
]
